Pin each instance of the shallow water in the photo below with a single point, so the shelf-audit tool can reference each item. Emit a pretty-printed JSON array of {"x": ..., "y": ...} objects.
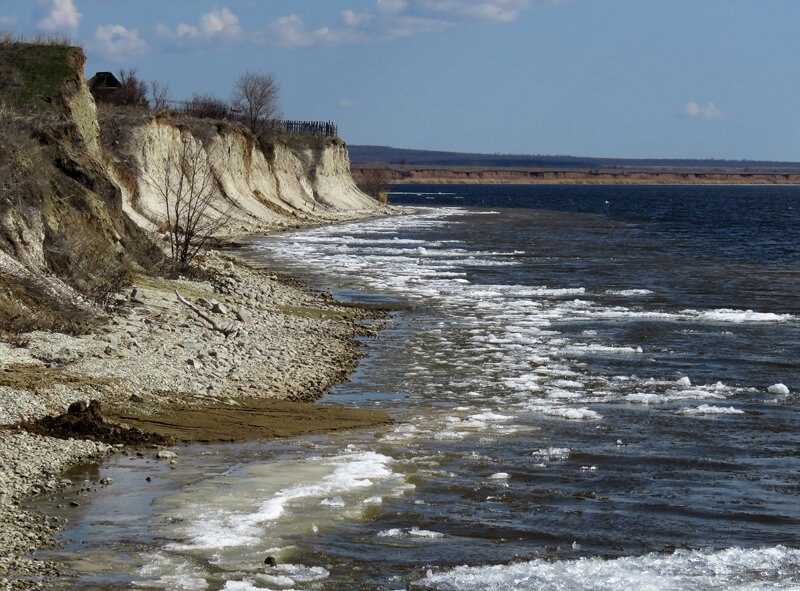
[{"x": 582, "y": 394}]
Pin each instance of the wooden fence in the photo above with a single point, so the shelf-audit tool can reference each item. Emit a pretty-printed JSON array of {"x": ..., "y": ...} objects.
[
  {"x": 324, "y": 128},
  {"x": 218, "y": 109}
]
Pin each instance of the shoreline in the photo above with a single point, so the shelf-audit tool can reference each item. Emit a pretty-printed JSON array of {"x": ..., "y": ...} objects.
[
  {"x": 475, "y": 175},
  {"x": 155, "y": 360}
]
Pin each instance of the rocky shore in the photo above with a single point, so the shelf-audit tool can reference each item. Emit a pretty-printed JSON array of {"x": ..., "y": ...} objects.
[{"x": 240, "y": 338}]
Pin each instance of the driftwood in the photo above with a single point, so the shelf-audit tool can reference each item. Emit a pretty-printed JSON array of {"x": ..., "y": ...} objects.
[{"x": 228, "y": 330}]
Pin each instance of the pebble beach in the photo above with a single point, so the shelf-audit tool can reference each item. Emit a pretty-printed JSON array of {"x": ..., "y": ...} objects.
[{"x": 275, "y": 340}]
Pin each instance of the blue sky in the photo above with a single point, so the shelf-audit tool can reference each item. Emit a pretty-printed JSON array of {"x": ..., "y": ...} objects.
[{"x": 616, "y": 78}]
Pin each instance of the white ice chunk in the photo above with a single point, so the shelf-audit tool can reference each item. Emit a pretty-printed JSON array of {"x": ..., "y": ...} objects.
[
  {"x": 706, "y": 409},
  {"x": 574, "y": 414},
  {"x": 780, "y": 389}
]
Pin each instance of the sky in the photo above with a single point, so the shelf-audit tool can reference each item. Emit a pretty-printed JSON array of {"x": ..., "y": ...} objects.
[{"x": 606, "y": 78}]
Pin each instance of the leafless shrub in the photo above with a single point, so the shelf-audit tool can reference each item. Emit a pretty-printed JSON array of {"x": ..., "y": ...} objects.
[
  {"x": 159, "y": 95},
  {"x": 207, "y": 106},
  {"x": 255, "y": 97},
  {"x": 188, "y": 190},
  {"x": 375, "y": 182},
  {"x": 89, "y": 267},
  {"x": 22, "y": 165}
]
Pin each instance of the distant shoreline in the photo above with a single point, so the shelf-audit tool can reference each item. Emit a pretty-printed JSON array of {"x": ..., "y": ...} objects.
[{"x": 411, "y": 174}]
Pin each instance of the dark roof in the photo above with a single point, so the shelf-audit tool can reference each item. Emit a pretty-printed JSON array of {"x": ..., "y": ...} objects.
[{"x": 103, "y": 80}]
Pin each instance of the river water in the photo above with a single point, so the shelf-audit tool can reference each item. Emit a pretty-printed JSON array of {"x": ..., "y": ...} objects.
[{"x": 594, "y": 388}]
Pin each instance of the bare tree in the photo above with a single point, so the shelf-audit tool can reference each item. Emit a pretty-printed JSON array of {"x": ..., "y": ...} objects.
[
  {"x": 159, "y": 94},
  {"x": 256, "y": 97},
  {"x": 187, "y": 188}
]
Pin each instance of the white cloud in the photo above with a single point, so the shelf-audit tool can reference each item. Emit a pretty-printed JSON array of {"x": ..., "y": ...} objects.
[
  {"x": 119, "y": 43},
  {"x": 386, "y": 20},
  {"x": 392, "y": 6},
  {"x": 219, "y": 24},
  {"x": 498, "y": 10},
  {"x": 347, "y": 103},
  {"x": 290, "y": 31},
  {"x": 709, "y": 111},
  {"x": 62, "y": 15}
]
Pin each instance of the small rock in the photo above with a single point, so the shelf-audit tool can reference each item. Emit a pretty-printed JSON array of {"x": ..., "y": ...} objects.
[
  {"x": 107, "y": 481},
  {"x": 166, "y": 455},
  {"x": 136, "y": 398},
  {"x": 65, "y": 354},
  {"x": 188, "y": 345},
  {"x": 244, "y": 316},
  {"x": 149, "y": 479},
  {"x": 270, "y": 561},
  {"x": 218, "y": 308},
  {"x": 74, "y": 504}
]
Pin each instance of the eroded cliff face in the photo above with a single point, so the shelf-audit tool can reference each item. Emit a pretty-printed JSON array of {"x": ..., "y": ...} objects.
[
  {"x": 78, "y": 210},
  {"x": 258, "y": 186}
]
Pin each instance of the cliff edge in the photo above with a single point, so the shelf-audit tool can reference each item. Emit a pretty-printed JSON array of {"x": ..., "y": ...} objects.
[{"x": 79, "y": 193}]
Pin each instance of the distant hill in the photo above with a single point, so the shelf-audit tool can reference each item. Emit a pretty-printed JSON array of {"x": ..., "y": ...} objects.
[{"x": 402, "y": 156}]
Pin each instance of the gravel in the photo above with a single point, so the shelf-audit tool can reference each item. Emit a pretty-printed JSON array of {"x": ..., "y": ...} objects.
[{"x": 153, "y": 353}]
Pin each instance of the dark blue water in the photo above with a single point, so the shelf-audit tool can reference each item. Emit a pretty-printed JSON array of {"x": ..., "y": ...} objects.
[{"x": 594, "y": 387}]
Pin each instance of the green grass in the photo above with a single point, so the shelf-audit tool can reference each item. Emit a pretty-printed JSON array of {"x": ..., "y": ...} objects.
[{"x": 34, "y": 72}]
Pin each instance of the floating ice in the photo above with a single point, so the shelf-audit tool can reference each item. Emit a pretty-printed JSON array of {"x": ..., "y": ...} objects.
[
  {"x": 574, "y": 414},
  {"x": 552, "y": 453},
  {"x": 779, "y": 389},
  {"x": 629, "y": 292},
  {"x": 705, "y": 409},
  {"x": 500, "y": 476},
  {"x": 643, "y": 398},
  {"x": 415, "y": 532},
  {"x": 740, "y": 316},
  {"x": 734, "y": 569},
  {"x": 684, "y": 381}
]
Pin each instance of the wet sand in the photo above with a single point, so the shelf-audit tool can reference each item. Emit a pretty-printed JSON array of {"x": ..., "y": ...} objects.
[{"x": 252, "y": 419}]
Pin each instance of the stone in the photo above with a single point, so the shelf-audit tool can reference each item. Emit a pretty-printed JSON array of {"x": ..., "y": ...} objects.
[
  {"x": 64, "y": 355},
  {"x": 107, "y": 481},
  {"x": 136, "y": 398},
  {"x": 218, "y": 308},
  {"x": 166, "y": 455},
  {"x": 244, "y": 316}
]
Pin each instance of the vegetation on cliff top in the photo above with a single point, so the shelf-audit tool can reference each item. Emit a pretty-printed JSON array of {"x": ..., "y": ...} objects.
[{"x": 33, "y": 72}]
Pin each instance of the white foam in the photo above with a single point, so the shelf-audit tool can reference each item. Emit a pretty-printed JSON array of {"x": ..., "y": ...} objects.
[
  {"x": 500, "y": 476},
  {"x": 734, "y": 569}
]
